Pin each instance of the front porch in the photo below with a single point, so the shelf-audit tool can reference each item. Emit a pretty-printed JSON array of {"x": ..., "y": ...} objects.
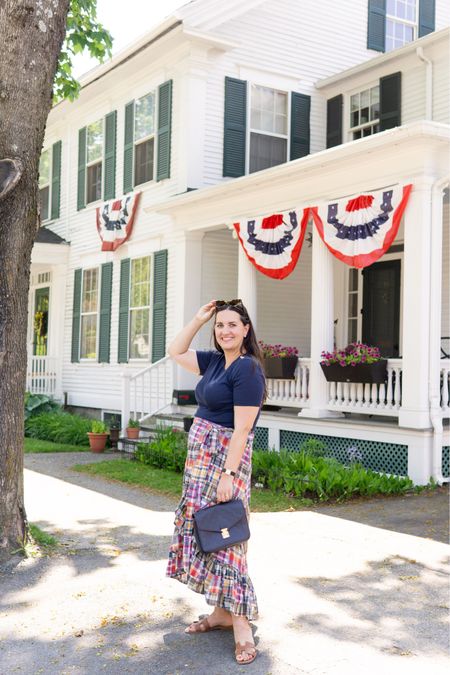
[{"x": 46, "y": 324}]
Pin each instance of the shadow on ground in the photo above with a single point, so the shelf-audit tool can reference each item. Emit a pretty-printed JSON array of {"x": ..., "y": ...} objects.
[
  {"x": 398, "y": 606},
  {"x": 145, "y": 643},
  {"x": 425, "y": 514}
]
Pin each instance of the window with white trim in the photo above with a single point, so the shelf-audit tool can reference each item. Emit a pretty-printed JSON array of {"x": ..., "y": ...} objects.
[
  {"x": 94, "y": 161},
  {"x": 140, "y": 314},
  {"x": 365, "y": 113},
  {"x": 144, "y": 138},
  {"x": 401, "y": 22},
  {"x": 268, "y": 128},
  {"x": 89, "y": 314},
  {"x": 44, "y": 184}
]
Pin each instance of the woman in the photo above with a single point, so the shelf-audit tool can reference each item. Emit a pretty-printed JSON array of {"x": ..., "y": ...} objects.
[{"x": 218, "y": 466}]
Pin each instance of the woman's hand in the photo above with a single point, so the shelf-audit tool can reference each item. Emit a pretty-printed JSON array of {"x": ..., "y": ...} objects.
[
  {"x": 225, "y": 488},
  {"x": 205, "y": 313}
]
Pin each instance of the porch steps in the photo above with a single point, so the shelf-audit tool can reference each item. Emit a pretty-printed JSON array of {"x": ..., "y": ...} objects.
[{"x": 174, "y": 417}]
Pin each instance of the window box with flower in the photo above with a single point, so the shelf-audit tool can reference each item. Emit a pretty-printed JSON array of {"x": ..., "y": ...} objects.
[
  {"x": 356, "y": 363},
  {"x": 280, "y": 361}
]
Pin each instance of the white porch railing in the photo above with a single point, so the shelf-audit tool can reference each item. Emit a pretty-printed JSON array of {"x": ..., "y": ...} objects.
[
  {"x": 445, "y": 387},
  {"x": 373, "y": 399},
  {"x": 147, "y": 392},
  {"x": 42, "y": 375},
  {"x": 291, "y": 393}
]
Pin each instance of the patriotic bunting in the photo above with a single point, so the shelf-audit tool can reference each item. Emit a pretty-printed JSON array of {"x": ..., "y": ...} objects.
[
  {"x": 359, "y": 231},
  {"x": 273, "y": 243},
  {"x": 115, "y": 220}
]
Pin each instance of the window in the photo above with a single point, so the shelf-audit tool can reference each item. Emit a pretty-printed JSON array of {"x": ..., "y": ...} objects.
[
  {"x": 140, "y": 309},
  {"x": 44, "y": 184},
  {"x": 352, "y": 310},
  {"x": 401, "y": 23},
  {"x": 144, "y": 138},
  {"x": 268, "y": 128},
  {"x": 94, "y": 161},
  {"x": 365, "y": 113},
  {"x": 89, "y": 314}
]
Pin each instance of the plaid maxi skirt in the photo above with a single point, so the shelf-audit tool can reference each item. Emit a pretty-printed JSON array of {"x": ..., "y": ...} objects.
[{"x": 222, "y": 576}]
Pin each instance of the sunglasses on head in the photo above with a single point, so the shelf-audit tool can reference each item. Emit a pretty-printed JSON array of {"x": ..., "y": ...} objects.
[{"x": 229, "y": 303}]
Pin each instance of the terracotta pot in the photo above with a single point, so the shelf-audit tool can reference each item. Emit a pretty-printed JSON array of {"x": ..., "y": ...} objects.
[
  {"x": 133, "y": 432},
  {"x": 371, "y": 373},
  {"x": 97, "y": 442},
  {"x": 282, "y": 368}
]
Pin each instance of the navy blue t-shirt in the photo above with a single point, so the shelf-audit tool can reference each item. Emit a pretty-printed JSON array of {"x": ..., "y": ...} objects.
[{"x": 242, "y": 383}]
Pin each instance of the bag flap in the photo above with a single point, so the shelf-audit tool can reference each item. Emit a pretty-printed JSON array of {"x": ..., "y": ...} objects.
[{"x": 215, "y": 518}]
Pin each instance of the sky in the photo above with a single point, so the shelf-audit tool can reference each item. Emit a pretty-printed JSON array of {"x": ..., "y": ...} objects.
[{"x": 127, "y": 21}]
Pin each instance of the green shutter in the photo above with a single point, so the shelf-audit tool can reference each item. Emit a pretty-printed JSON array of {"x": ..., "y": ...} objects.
[
  {"x": 105, "y": 313},
  {"x": 128, "y": 153},
  {"x": 334, "y": 120},
  {"x": 124, "y": 302},
  {"x": 390, "y": 101},
  {"x": 164, "y": 130},
  {"x": 159, "y": 305},
  {"x": 56, "y": 179},
  {"x": 76, "y": 316},
  {"x": 376, "y": 25},
  {"x": 427, "y": 12},
  {"x": 81, "y": 192},
  {"x": 109, "y": 186},
  {"x": 235, "y": 127},
  {"x": 300, "y": 134}
]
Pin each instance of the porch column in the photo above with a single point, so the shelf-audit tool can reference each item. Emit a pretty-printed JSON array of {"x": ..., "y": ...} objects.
[
  {"x": 322, "y": 322},
  {"x": 187, "y": 274},
  {"x": 247, "y": 285},
  {"x": 415, "y": 409}
]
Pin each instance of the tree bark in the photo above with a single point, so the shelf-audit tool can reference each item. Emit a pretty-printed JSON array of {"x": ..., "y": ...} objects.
[{"x": 31, "y": 35}]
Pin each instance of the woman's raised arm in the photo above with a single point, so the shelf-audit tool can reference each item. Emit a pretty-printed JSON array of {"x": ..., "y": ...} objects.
[{"x": 179, "y": 347}]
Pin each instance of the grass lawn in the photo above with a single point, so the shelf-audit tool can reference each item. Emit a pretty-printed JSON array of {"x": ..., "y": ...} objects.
[
  {"x": 36, "y": 445},
  {"x": 169, "y": 483}
]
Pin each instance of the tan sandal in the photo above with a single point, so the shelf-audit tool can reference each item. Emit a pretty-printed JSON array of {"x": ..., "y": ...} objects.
[
  {"x": 248, "y": 647},
  {"x": 204, "y": 626}
]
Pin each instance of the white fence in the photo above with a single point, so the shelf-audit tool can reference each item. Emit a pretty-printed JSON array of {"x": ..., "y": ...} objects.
[{"x": 42, "y": 375}]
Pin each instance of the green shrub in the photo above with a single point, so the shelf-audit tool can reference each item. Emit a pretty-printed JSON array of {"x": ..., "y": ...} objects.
[
  {"x": 36, "y": 404},
  {"x": 167, "y": 451},
  {"x": 300, "y": 474},
  {"x": 133, "y": 424},
  {"x": 59, "y": 427}
]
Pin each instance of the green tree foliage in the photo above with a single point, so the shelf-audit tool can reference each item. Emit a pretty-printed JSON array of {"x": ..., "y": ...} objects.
[{"x": 84, "y": 33}]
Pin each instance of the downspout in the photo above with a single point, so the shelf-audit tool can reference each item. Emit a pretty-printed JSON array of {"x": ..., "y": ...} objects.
[
  {"x": 428, "y": 83},
  {"x": 436, "y": 413}
]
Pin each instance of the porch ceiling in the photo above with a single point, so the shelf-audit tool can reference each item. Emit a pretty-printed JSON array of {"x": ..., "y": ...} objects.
[{"x": 394, "y": 156}]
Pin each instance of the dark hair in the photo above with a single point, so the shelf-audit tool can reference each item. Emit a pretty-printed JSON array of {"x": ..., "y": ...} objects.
[{"x": 250, "y": 343}]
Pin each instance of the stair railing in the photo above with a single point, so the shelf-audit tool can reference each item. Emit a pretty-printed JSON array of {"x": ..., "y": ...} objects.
[{"x": 147, "y": 392}]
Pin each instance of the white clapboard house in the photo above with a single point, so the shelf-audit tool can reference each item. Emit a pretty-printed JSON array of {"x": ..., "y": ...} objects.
[{"x": 234, "y": 116}]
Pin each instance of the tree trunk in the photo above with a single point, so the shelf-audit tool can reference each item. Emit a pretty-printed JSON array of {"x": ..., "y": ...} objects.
[{"x": 31, "y": 35}]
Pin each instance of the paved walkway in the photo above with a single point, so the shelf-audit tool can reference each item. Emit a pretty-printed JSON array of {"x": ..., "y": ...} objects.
[{"x": 336, "y": 596}]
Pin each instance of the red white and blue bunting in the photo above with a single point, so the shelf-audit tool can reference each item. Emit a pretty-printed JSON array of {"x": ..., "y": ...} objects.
[
  {"x": 115, "y": 220},
  {"x": 273, "y": 243},
  {"x": 359, "y": 230}
]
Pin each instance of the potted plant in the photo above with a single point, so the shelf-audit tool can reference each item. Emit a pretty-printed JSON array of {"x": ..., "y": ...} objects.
[
  {"x": 356, "y": 363},
  {"x": 133, "y": 428},
  {"x": 280, "y": 361},
  {"x": 97, "y": 436}
]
